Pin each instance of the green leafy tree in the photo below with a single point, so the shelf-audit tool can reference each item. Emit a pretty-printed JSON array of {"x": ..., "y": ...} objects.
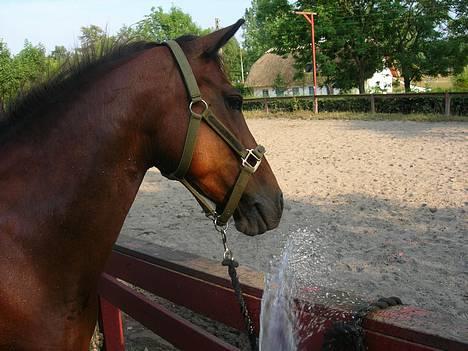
[
  {"x": 348, "y": 36},
  {"x": 60, "y": 53},
  {"x": 8, "y": 84},
  {"x": 160, "y": 26},
  {"x": 30, "y": 65},
  {"x": 126, "y": 34},
  {"x": 458, "y": 19},
  {"x": 261, "y": 27},
  {"x": 20, "y": 72},
  {"x": 279, "y": 84},
  {"x": 231, "y": 61},
  {"x": 460, "y": 81},
  {"x": 94, "y": 39},
  {"x": 426, "y": 38},
  {"x": 457, "y": 28},
  {"x": 57, "y": 58},
  {"x": 91, "y": 36}
]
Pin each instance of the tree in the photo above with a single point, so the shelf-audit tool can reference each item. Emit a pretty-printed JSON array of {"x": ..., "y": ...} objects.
[
  {"x": 91, "y": 36},
  {"x": 231, "y": 61},
  {"x": 160, "y": 26},
  {"x": 279, "y": 84},
  {"x": 126, "y": 34},
  {"x": 30, "y": 65},
  {"x": 7, "y": 78},
  {"x": 57, "y": 58},
  {"x": 94, "y": 39},
  {"x": 260, "y": 21},
  {"x": 425, "y": 39},
  {"x": 460, "y": 81},
  {"x": 348, "y": 36},
  {"x": 20, "y": 72},
  {"x": 457, "y": 35},
  {"x": 60, "y": 53}
]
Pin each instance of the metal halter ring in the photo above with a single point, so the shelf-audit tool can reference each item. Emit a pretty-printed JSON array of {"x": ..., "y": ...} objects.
[
  {"x": 193, "y": 102},
  {"x": 219, "y": 228}
]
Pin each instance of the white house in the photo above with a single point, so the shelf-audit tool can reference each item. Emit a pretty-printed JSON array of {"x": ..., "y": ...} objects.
[
  {"x": 271, "y": 69},
  {"x": 272, "y": 75},
  {"x": 380, "y": 82}
]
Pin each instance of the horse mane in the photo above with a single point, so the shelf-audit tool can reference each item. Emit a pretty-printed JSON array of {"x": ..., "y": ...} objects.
[
  {"x": 81, "y": 68},
  {"x": 73, "y": 74}
]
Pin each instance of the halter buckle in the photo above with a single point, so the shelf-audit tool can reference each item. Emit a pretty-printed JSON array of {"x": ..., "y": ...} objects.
[{"x": 251, "y": 162}]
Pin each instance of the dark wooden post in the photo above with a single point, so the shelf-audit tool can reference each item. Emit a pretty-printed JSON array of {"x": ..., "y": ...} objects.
[
  {"x": 372, "y": 103},
  {"x": 447, "y": 103},
  {"x": 111, "y": 326}
]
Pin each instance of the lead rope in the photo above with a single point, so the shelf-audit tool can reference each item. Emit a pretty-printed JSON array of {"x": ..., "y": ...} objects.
[
  {"x": 349, "y": 336},
  {"x": 232, "y": 264}
]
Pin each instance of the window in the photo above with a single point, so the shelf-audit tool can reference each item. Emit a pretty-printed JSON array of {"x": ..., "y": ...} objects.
[
  {"x": 295, "y": 91},
  {"x": 279, "y": 91},
  {"x": 311, "y": 90},
  {"x": 265, "y": 93}
]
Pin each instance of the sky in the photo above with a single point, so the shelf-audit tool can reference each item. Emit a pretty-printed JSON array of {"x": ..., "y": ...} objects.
[{"x": 58, "y": 22}]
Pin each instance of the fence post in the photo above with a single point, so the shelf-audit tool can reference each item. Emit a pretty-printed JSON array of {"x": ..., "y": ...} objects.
[
  {"x": 372, "y": 103},
  {"x": 447, "y": 103},
  {"x": 111, "y": 326}
]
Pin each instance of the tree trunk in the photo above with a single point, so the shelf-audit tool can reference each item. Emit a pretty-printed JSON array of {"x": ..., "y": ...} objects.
[
  {"x": 407, "y": 84},
  {"x": 362, "y": 89},
  {"x": 362, "y": 80}
]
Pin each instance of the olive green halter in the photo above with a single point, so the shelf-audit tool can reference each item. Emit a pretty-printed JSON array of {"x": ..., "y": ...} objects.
[{"x": 250, "y": 158}]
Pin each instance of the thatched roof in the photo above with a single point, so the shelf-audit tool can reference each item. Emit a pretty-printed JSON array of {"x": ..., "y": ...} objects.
[{"x": 266, "y": 69}]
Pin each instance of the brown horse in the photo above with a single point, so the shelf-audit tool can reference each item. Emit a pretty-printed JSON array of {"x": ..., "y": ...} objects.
[{"x": 73, "y": 154}]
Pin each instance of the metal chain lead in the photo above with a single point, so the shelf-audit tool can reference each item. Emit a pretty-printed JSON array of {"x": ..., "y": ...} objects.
[
  {"x": 232, "y": 264},
  {"x": 223, "y": 230}
]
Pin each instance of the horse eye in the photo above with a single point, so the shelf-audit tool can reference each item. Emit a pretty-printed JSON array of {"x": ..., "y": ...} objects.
[{"x": 234, "y": 102}]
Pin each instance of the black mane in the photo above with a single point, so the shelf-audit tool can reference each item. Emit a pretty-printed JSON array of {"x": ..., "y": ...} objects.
[
  {"x": 82, "y": 67},
  {"x": 77, "y": 70}
]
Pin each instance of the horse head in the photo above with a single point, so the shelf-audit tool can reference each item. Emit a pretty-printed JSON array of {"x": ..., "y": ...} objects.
[{"x": 214, "y": 167}]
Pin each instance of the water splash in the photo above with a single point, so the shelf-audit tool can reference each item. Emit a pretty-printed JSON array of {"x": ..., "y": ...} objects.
[
  {"x": 304, "y": 268},
  {"x": 278, "y": 320}
]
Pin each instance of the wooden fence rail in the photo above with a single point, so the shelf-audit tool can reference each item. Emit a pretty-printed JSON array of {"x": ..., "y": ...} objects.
[{"x": 203, "y": 286}]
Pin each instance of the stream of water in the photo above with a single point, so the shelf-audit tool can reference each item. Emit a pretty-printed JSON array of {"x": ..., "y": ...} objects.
[{"x": 298, "y": 275}]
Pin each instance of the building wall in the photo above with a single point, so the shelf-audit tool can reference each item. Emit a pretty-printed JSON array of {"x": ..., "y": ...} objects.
[
  {"x": 291, "y": 91},
  {"x": 380, "y": 82}
]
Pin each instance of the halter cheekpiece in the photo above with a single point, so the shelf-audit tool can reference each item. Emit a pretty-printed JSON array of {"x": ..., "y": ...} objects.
[{"x": 250, "y": 159}]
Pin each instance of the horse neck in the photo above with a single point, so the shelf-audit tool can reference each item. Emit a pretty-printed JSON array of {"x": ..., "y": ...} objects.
[{"x": 81, "y": 173}]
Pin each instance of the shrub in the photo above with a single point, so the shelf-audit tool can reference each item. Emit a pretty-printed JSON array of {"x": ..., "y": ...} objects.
[
  {"x": 423, "y": 104},
  {"x": 406, "y": 105}
]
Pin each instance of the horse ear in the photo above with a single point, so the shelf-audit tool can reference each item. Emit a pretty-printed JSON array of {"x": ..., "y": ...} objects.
[{"x": 212, "y": 42}]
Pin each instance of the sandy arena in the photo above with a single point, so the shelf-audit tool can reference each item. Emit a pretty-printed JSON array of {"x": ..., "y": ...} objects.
[{"x": 387, "y": 199}]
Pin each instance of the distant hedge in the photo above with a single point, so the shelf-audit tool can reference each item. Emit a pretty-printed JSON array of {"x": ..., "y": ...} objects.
[{"x": 425, "y": 104}]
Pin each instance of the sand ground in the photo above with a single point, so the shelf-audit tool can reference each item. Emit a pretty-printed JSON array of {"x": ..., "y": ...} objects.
[{"x": 387, "y": 202}]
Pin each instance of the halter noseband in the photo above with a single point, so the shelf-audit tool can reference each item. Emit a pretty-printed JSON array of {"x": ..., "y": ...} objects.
[{"x": 250, "y": 158}]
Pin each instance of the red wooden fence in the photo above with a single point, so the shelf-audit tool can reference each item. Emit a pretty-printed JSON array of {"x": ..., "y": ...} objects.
[{"x": 203, "y": 286}]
